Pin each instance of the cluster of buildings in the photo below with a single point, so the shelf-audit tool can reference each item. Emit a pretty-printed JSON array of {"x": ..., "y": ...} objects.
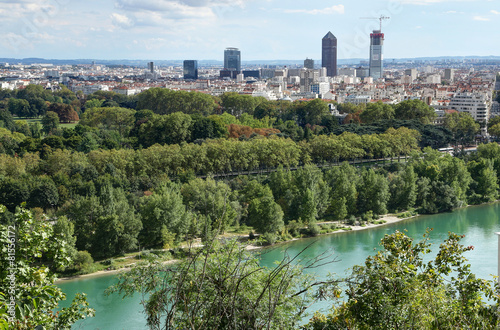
[{"x": 461, "y": 85}]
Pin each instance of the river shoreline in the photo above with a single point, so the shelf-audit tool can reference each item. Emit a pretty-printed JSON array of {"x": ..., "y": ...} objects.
[{"x": 388, "y": 218}]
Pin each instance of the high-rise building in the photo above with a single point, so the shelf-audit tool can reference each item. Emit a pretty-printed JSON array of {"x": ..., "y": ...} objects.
[
  {"x": 191, "y": 69},
  {"x": 329, "y": 54},
  {"x": 376, "y": 56},
  {"x": 449, "y": 74},
  {"x": 412, "y": 73},
  {"x": 151, "y": 67},
  {"x": 232, "y": 59},
  {"x": 309, "y": 63}
]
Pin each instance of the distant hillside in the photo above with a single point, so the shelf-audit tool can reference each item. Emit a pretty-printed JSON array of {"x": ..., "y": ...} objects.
[{"x": 291, "y": 63}]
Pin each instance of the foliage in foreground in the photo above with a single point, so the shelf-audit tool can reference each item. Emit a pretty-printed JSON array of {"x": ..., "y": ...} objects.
[
  {"x": 224, "y": 287},
  {"x": 30, "y": 284},
  {"x": 396, "y": 289}
]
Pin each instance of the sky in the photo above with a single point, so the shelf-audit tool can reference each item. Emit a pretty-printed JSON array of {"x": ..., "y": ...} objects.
[{"x": 261, "y": 29}]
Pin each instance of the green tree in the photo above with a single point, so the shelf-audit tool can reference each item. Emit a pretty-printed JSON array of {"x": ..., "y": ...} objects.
[
  {"x": 484, "y": 187},
  {"x": 403, "y": 189},
  {"x": 237, "y": 104},
  {"x": 264, "y": 214},
  {"x": 377, "y": 111},
  {"x": 163, "y": 209},
  {"x": 31, "y": 284},
  {"x": 415, "y": 109},
  {"x": 222, "y": 287},
  {"x": 463, "y": 127},
  {"x": 397, "y": 289},
  {"x": 343, "y": 195},
  {"x": 210, "y": 199},
  {"x": 373, "y": 192}
]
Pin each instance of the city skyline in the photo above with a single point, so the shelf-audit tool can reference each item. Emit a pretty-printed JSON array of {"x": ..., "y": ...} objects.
[{"x": 201, "y": 29}]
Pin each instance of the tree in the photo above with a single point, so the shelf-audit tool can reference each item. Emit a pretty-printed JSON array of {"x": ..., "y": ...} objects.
[
  {"x": 415, "y": 109},
  {"x": 377, "y": 111},
  {"x": 164, "y": 208},
  {"x": 20, "y": 108},
  {"x": 223, "y": 287},
  {"x": 397, "y": 289},
  {"x": 343, "y": 196},
  {"x": 65, "y": 112},
  {"x": 403, "y": 189},
  {"x": 210, "y": 199},
  {"x": 28, "y": 282},
  {"x": 111, "y": 118},
  {"x": 373, "y": 193},
  {"x": 237, "y": 104},
  {"x": 166, "y": 101},
  {"x": 463, "y": 127},
  {"x": 484, "y": 187},
  {"x": 264, "y": 214}
]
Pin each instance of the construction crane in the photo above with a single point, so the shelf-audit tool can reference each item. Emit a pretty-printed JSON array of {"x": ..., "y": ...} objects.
[{"x": 381, "y": 18}]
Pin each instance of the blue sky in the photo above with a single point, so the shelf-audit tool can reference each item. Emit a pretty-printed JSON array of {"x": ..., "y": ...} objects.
[{"x": 262, "y": 29}]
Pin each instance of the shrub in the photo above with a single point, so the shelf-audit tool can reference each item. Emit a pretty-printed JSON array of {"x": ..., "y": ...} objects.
[
  {"x": 313, "y": 230},
  {"x": 293, "y": 228},
  {"x": 83, "y": 262},
  {"x": 269, "y": 238}
]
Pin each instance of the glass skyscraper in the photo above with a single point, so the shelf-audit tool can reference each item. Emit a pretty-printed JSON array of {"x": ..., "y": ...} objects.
[
  {"x": 232, "y": 59},
  {"x": 329, "y": 54},
  {"x": 376, "y": 56},
  {"x": 191, "y": 69}
]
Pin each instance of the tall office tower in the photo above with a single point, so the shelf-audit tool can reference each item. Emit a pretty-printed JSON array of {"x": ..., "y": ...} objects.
[
  {"x": 329, "y": 54},
  {"x": 191, "y": 69},
  {"x": 412, "y": 73},
  {"x": 309, "y": 63},
  {"x": 151, "y": 67},
  {"x": 449, "y": 74},
  {"x": 232, "y": 59},
  {"x": 376, "y": 57}
]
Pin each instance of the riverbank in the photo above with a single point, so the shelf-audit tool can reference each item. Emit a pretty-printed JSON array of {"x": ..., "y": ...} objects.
[{"x": 384, "y": 220}]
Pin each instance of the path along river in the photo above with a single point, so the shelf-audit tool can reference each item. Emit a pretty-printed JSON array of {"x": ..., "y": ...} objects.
[{"x": 477, "y": 223}]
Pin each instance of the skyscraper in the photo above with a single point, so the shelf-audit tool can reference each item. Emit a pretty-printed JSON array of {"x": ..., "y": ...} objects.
[
  {"x": 191, "y": 69},
  {"x": 329, "y": 54},
  {"x": 151, "y": 67},
  {"x": 309, "y": 63},
  {"x": 376, "y": 56},
  {"x": 232, "y": 59}
]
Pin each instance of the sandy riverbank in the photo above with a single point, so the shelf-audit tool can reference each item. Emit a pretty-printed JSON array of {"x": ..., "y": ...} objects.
[{"x": 388, "y": 218}]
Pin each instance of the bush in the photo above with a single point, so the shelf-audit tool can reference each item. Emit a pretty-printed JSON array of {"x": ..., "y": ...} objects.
[
  {"x": 293, "y": 228},
  {"x": 352, "y": 220},
  {"x": 269, "y": 238},
  {"x": 368, "y": 216},
  {"x": 83, "y": 262},
  {"x": 313, "y": 230}
]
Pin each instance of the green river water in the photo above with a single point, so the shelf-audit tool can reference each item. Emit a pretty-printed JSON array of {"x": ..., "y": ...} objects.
[{"x": 477, "y": 223}]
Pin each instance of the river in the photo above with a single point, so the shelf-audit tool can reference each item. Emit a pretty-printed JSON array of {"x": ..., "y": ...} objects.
[{"x": 477, "y": 223}]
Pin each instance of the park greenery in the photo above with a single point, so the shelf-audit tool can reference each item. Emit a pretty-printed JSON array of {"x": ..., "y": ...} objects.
[{"x": 116, "y": 174}]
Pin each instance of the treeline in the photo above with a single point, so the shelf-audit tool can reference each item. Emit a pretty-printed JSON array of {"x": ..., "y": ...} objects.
[
  {"x": 158, "y": 115},
  {"x": 113, "y": 201},
  {"x": 219, "y": 156}
]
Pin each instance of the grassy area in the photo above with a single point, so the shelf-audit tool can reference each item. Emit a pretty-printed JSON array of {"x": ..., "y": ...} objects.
[{"x": 39, "y": 120}]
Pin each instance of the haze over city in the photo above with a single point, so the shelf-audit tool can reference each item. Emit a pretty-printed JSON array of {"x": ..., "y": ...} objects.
[{"x": 261, "y": 29}]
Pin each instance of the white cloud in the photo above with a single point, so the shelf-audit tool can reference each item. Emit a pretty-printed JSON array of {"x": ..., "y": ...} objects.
[
  {"x": 167, "y": 5},
  {"x": 481, "y": 18},
  {"x": 337, "y": 9},
  {"x": 166, "y": 9},
  {"x": 418, "y": 27},
  {"x": 495, "y": 12},
  {"x": 428, "y": 2},
  {"x": 121, "y": 20}
]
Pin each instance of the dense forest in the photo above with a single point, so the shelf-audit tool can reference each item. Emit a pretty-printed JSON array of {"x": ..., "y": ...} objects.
[
  {"x": 163, "y": 167},
  {"x": 136, "y": 170}
]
